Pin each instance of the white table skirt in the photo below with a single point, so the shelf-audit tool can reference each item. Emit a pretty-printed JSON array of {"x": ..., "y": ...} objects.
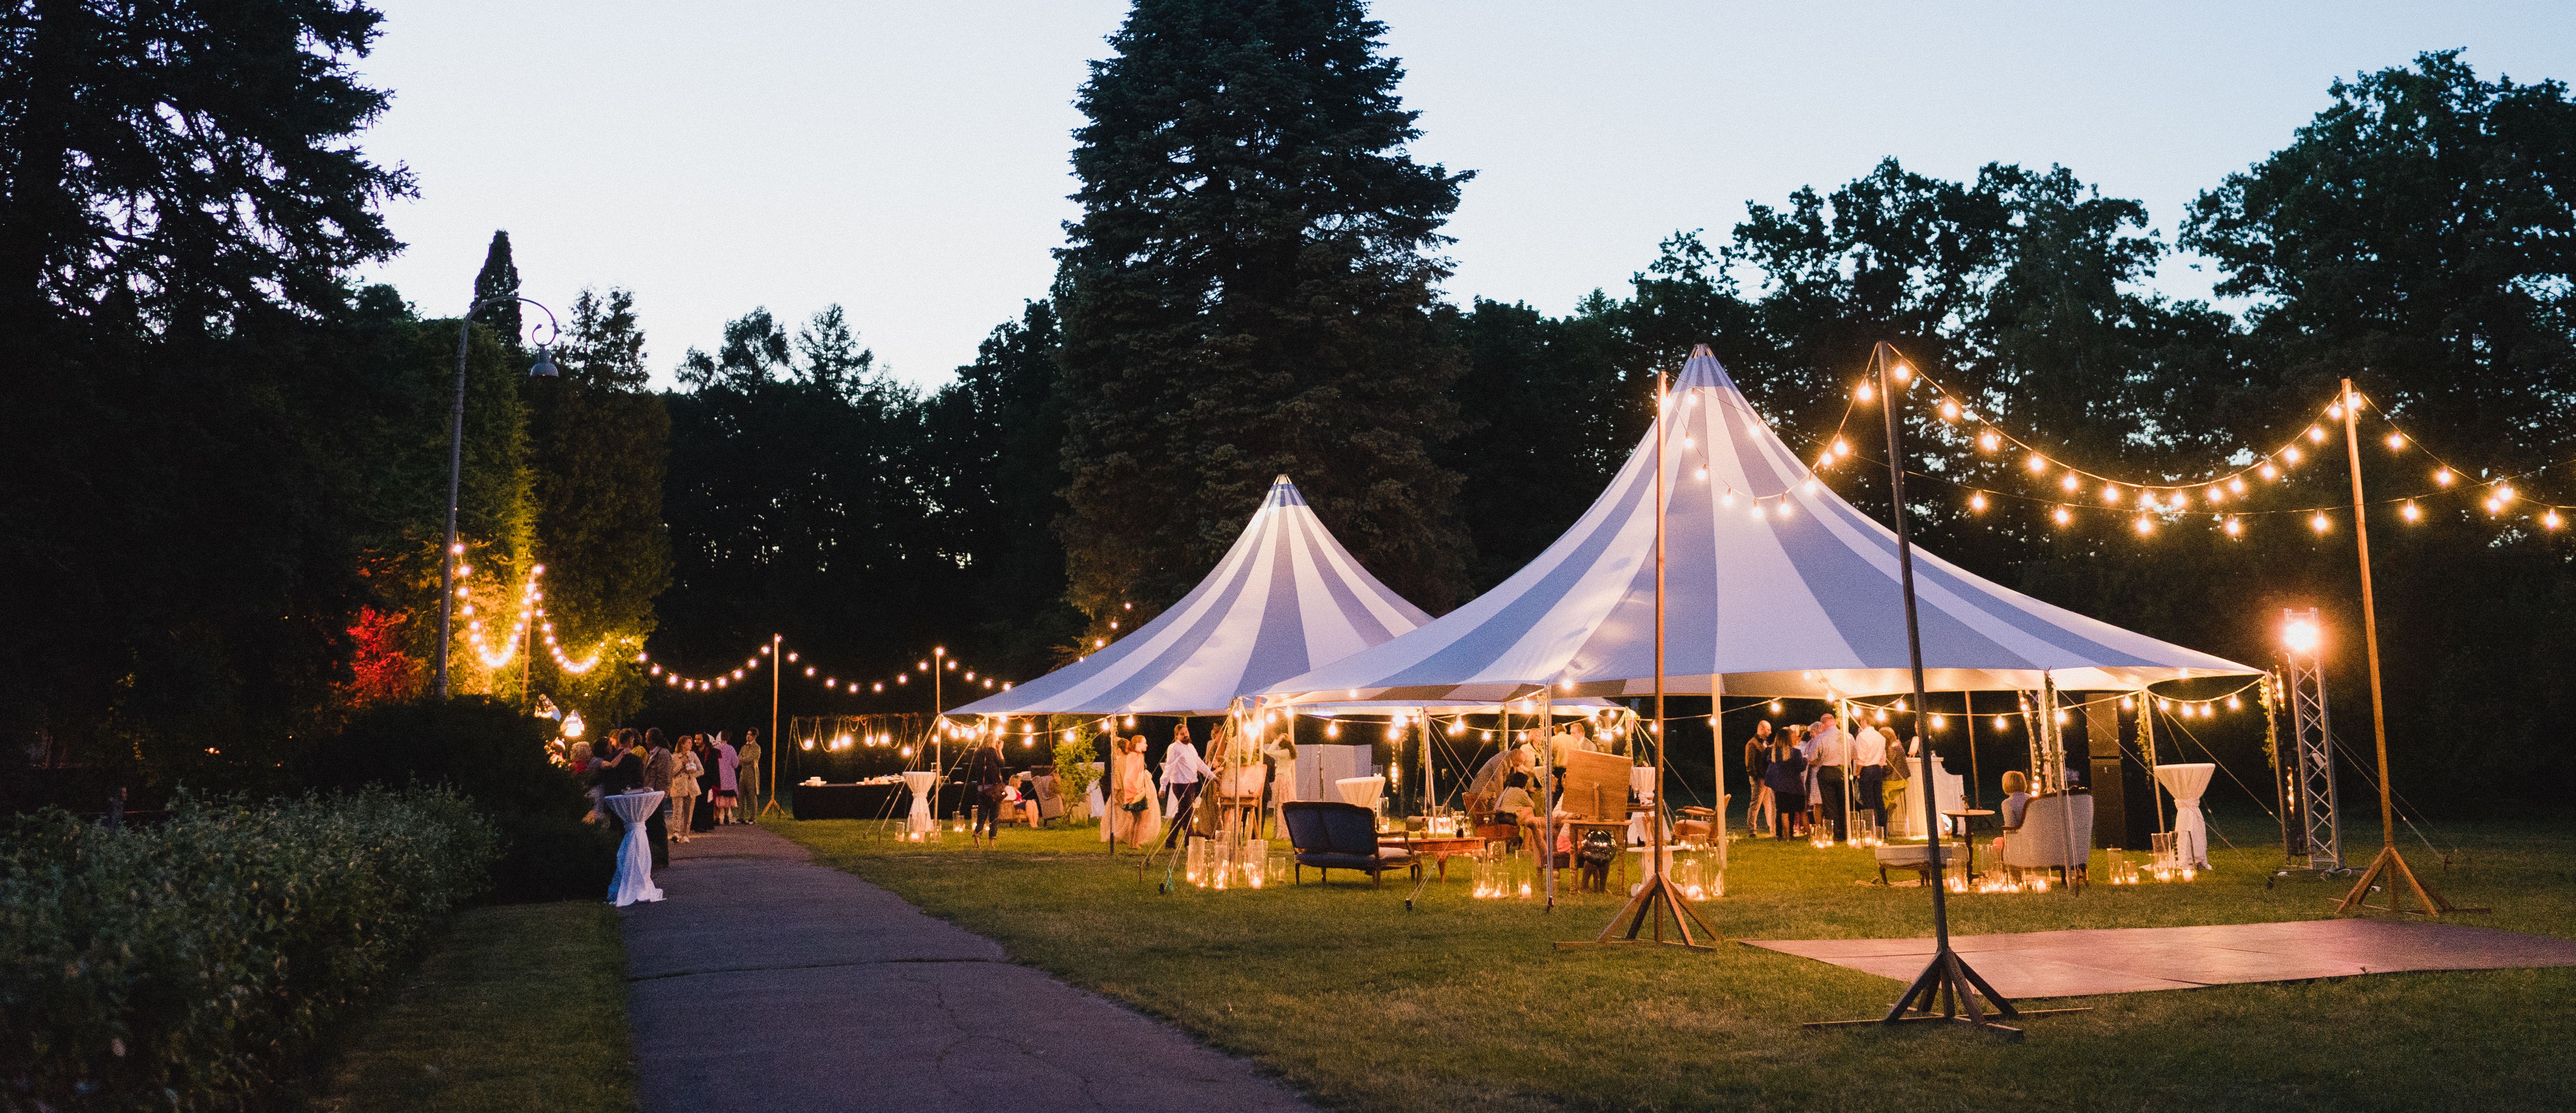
[
  {"x": 633, "y": 880},
  {"x": 1363, "y": 791},
  {"x": 2191, "y": 830},
  {"x": 919, "y": 818}
]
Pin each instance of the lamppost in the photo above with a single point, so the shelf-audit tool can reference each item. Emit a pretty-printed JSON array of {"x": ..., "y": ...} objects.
[{"x": 544, "y": 368}]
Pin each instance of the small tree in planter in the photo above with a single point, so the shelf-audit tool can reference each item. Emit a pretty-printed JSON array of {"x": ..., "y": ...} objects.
[{"x": 1075, "y": 768}]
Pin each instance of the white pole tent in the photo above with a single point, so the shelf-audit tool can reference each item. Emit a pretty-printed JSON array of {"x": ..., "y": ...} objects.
[
  {"x": 1286, "y": 598},
  {"x": 1775, "y": 587},
  {"x": 1768, "y": 584}
]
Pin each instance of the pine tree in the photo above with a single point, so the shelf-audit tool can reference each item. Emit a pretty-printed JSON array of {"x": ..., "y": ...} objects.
[
  {"x": 499, "y": 278},
  {"x": 1249, "y": 294}
]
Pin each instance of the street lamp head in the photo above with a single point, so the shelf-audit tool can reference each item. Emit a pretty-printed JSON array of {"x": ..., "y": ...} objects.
[{"x": 545, "y": 365}]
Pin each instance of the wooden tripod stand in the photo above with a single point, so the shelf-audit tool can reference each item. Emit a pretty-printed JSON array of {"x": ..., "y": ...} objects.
[
  {"x": 1645, "y": 912},
  {"x": 2389, "y": 860},
  {"x": 1657, "y": 896}
]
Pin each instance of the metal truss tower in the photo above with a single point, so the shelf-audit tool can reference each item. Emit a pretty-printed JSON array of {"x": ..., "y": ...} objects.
[{"x": 2310, "y": 760}]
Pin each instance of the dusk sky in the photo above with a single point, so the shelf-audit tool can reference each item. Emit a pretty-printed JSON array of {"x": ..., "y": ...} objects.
[{"x": 909, "y": 161}]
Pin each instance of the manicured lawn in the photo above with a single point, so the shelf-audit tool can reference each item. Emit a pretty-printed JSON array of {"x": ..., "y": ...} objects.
[
  {"x": 520, "y": 1007},
  {"x": 1464, "y": 1005}
]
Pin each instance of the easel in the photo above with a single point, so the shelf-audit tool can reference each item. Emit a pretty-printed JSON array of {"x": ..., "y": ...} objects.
[
  {"x": 1658, "y": 896},
  {"x": 2389, "y": 861}
]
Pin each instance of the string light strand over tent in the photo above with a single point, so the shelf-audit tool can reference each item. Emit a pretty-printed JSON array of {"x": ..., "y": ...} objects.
[
  {"x": 2148, "y": 506},
  {"x": 975, "y": 679}
]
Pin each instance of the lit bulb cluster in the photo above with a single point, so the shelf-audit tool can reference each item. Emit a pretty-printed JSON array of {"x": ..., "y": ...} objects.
[{"x": 532, "y": 611}]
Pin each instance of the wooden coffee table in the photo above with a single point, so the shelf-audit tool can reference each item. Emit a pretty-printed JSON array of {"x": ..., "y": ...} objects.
[
  {"x": 1438, "y": 848},
  {"x": 1967, "y": 818}
]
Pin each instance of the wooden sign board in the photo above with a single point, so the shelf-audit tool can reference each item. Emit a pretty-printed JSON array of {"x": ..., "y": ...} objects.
[{"x": 1596, "y": 786}]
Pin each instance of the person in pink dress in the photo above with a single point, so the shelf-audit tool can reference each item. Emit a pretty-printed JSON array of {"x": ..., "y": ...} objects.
[{"x": 728, "y": 765}]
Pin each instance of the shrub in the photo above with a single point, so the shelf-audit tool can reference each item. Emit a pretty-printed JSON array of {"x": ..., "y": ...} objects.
[
  {"x": 496, "y": 757},
  {"x": 198, "y": 964}
]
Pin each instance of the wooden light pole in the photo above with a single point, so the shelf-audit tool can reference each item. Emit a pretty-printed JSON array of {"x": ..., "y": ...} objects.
[
  {"x": 1948, "y": 978},
  {"x": 2389, "y": 860},
  {"x": 1658, "y": 895}
]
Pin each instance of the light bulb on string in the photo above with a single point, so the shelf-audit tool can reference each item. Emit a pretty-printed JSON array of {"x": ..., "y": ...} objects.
[
  {"x": 2063, "y": 516},
  {"x": 2549, "y": 519},
  {"x": 2290, "y": 455},
  {"x": 2110, "y": 494},
  {"x": 1987, "y": 442},
  {"x": 2146, "y": 525},
  {"x": 2233, "y": 527},
  {"x": 1949, "y": 410},
  {"x": 1864, "y": 393},
  {"x": 1977, "y": 501},
  {"x": 2038, "y": 462},
  {"x": 2396, "y": 441},
  {"x": 2409, "y": 511},
  {"x": 2317, "y": 435},
  {"x": 2443, "y": 476},
  {"x": 2267, "y": 471},
  {"x": 2069, "y": 482},
  {"x": 2320, "y": 523}
]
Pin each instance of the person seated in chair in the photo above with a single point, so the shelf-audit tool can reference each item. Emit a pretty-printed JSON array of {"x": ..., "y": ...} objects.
[{"x": 2016, "y": 803}]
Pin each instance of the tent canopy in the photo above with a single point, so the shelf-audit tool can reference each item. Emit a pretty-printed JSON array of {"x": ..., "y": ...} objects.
[
  {"x": 1775, "y": 586},
  {"x": 1286, "y": 598}
]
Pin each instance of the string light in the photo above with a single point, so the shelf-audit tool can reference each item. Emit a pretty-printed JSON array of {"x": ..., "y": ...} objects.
[{"x": 2319, "y": 522}]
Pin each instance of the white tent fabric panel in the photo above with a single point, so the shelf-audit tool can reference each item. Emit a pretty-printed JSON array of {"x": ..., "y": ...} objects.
[
  {"x": 1284, "y": 599},
  {"x": 1775, "y": 586}
]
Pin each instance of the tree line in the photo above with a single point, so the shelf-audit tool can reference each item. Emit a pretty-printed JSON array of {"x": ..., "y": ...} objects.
[{"x": 227, "y": 460}]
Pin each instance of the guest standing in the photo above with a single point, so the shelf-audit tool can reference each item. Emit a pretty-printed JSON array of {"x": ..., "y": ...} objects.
[
  {"x": 1869, "y": 774},
  {"x": 1184, "y": 772},
  {"x": 702, "y": 817},
  {"x": 659, "y": 771},
  {"x": 1830, "y": 752},
  {"x": 749, "y": 775},
  {"x": 623, "y": 773},
  {"x": 1761, "y": 810},
  {"x": 684, "y": 785},
  {"x": 728, "y": 780},
  {"x": 1786, "y": 777},
  {"x": 984, "y": 776},
  {"x": 1131, "y": 793}
]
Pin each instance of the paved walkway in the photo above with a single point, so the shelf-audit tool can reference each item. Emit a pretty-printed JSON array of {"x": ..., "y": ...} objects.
[{"x": 765, "y": 982}]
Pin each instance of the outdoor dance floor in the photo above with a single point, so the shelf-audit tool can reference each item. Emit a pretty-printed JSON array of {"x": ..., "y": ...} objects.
[{"x": 2132, "y": 960}]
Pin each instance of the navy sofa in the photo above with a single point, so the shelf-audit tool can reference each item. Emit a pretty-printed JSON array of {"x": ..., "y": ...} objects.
[{"x": 1333, "y": 836}]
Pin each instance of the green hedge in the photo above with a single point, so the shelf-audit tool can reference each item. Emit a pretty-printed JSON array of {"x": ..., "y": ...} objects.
[
  {"x": 199, "y": 963},
  {"x": 496, "y": 756}
]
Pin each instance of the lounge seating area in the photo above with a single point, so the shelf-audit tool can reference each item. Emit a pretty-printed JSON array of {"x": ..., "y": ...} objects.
[
  {"x": 1335, "y": 836},
  {"x": 2056, "y": 833}
]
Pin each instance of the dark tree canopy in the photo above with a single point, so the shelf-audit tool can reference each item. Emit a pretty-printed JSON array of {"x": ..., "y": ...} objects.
[
  {"x": 1249, "y": 294},
  {"x": 2420, "y": 236},
  {"x": 180, "y": 164}
]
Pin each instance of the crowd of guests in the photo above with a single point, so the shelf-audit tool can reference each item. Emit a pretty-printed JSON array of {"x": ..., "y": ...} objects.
[
  {"x": 706, "y": 780},
  {"x": 1816, "y": 774}
]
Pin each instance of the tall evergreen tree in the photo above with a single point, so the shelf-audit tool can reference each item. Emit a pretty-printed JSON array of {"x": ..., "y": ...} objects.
[
  {"x": 1249, "y": 293},
  {"x": 995, "y": 441},
  {"x": 499, "y": 279}
]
